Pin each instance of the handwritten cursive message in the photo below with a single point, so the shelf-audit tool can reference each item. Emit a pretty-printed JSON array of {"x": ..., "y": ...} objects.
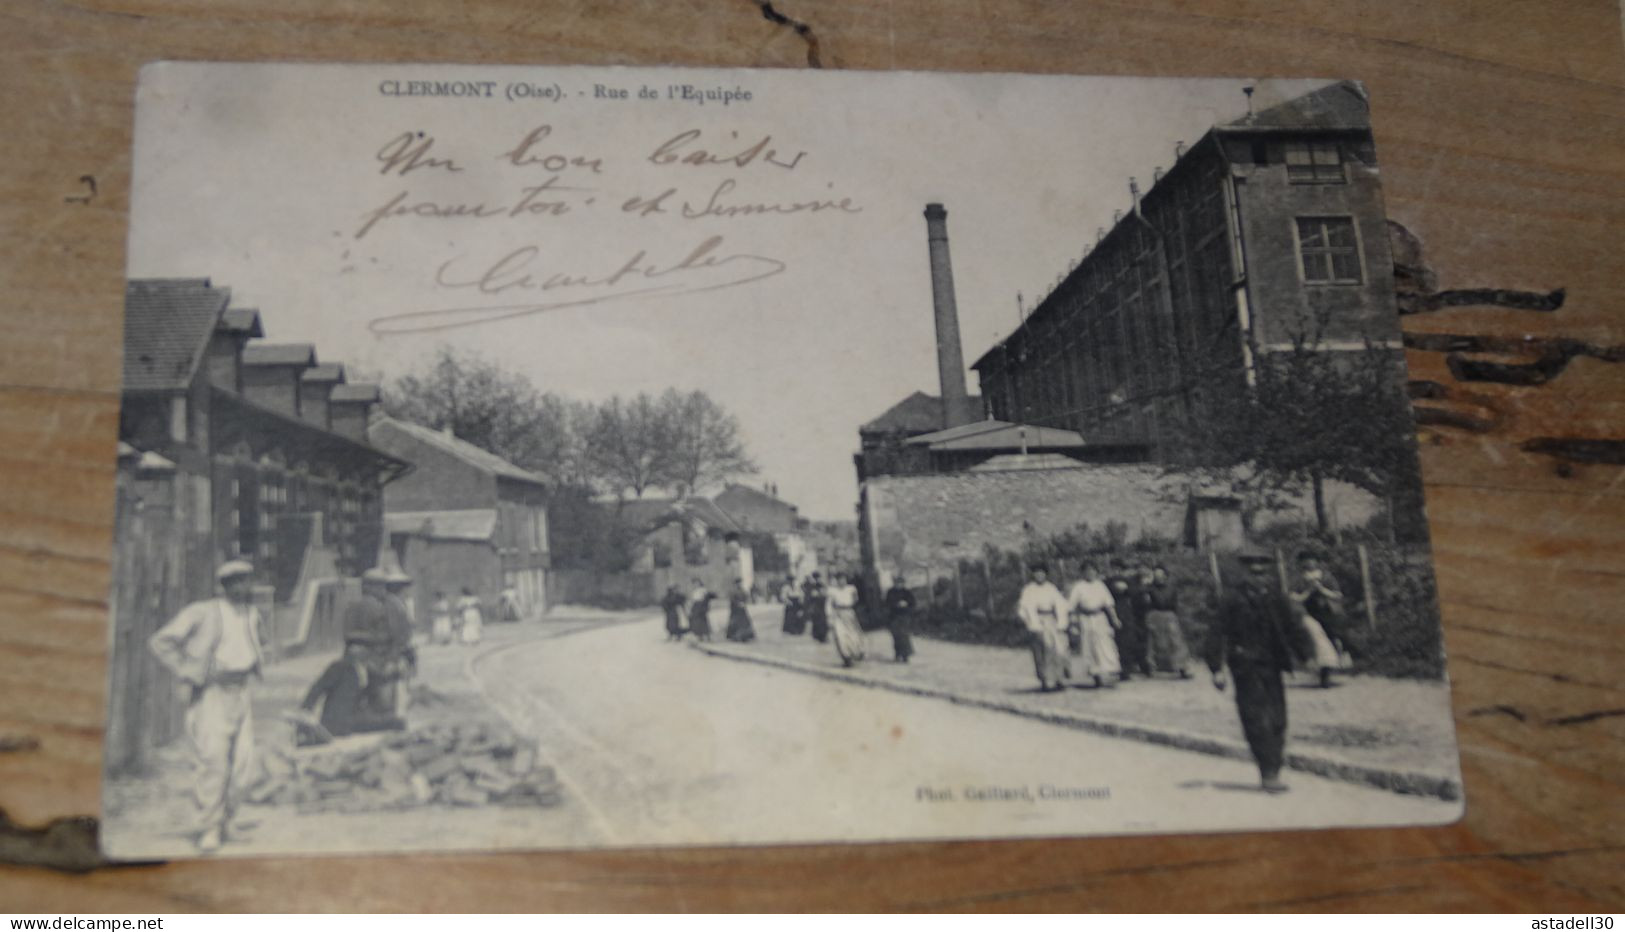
[{"x": 552, "y": 187}]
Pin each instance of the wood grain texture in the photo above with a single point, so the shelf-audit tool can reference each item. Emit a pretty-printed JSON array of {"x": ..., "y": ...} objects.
[{"x": 1501, "y": 125}]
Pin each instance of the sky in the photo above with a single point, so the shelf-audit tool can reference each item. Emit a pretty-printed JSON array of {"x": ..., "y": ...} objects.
[{"x": 340, "y": 202}]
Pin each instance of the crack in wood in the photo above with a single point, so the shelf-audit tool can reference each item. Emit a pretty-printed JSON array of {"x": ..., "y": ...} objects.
[
  {"x": 1578, "y": 449},
  {"x": 1551, "y": 356},
  {"x": 1506, "y": 710},
  {"x": 801, "y": 29},
  {"x": 1429, "y": 301},
  {"x": 1525, "y": 671},
  {"x": 1432, "y": 416},
  {"x": 1584, "y": 717},
  {"x": 1543, "y": 358},
  {"x": 1093, "y": 879},
  {"x": 12, "y": 744},
  {"x": 1395, "y": 890}
]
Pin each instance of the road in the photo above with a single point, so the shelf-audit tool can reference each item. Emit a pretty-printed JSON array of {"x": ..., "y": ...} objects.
[{"x": 662, "y": 744}]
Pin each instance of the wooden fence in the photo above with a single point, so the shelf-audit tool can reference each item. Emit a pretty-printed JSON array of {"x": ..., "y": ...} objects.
[{"x": 160, "y": 563}]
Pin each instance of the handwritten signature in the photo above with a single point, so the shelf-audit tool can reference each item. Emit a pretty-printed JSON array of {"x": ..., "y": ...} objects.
[{"x": 521, "y": 271}]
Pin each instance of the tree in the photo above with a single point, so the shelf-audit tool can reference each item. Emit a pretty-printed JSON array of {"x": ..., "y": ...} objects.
[
  {"x": 492, "y": 408},
  {"x": 629, "y": 444},
  {"x": 1310, "y": 416},
  {"x": 705, "y": 445},
  {"x": 680, "y": 441}
]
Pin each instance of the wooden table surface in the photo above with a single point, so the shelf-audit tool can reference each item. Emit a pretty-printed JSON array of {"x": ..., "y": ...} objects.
[{"x": 1501, "y": 126}]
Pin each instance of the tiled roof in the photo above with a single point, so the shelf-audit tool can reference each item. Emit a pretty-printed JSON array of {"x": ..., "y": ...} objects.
[
  {"x": 709, "y": 512},
  {"x": 736, "y": 490},
  {"x": 1018, "y": 462},
  {"x": 167, "y": 325},
  {"x": 649, "y": 513},
  {"x": 244, "y": 320},
  {"x": 462, "y": 449},
  {"x": 1339, "y": 106},
  {"x": 641, "y": 513},
  {"x": 324, "y": 372},
  {"x": 354, "y": 391},
  {"x": 472, "y": 524},
  {"x": 917, "y": 413},
  {"x": 999, "y": 435},
  {"x": 279, "y": 354}
]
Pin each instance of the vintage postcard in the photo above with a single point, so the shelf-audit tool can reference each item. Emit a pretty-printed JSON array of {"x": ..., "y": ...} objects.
[{"x": 543, "y": 457}]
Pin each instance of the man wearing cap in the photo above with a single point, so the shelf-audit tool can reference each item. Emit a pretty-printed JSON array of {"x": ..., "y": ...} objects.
[
  {"x": 377, "y": 622},
  {"x": 213, "y": 646},
  {"x": 402, "y": 662},
  {"x": 1254, "y": 633}
]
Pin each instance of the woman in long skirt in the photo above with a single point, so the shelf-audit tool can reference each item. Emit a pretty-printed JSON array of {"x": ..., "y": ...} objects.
[
  {"x": 673, "y": 606},
  {"x": 699, "y": 611},
  {"x": 739, "y": 624},
  {"x": 795, "y": 622},
  {"x": 1095, "y": 614},
  {"x": 1043, "y": 610},
  {"x": 1168, "y": 651},
  {"x": 440, "y": 627},
  {"x": 468, "y": 609},
  {"x": 815, "y": 606},
  {"x": 1320, "y": 610},
  {"x": 843, "y": 620}
]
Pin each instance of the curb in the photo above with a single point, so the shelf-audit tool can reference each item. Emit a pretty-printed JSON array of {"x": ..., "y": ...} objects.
[{"x": 1407, "y": 782}]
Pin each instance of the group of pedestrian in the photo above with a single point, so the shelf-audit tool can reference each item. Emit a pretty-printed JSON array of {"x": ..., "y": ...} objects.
[
  {"x": 690, "y": 613},
  {"x": 462, "y": 621},
  {"x": 834, "y": 612},
  {"x": 1108, "y": 629},
  {"x": 1103, "y": 630}
]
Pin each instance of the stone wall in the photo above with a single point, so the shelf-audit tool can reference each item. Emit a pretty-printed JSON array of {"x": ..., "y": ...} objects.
[{"x": 915, "y": 522}]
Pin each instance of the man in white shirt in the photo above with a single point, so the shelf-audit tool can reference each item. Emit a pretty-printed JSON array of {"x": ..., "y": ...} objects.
[
  {"x": 1042, "y": 610},
  {"x": 213, "y": 646}
]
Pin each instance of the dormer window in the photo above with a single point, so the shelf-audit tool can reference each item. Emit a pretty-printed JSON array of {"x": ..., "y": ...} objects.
[{"x": 1314, "y": 162}]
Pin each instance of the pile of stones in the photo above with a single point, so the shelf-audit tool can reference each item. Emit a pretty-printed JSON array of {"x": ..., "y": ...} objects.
[{"x": 463, "y": 764}]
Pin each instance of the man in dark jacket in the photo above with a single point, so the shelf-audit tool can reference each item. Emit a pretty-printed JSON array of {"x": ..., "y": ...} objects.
[
  {"x": 342, "y": 692},
  {"x": 900, "y": 618},
  {"x": 1255, "y": 635}
]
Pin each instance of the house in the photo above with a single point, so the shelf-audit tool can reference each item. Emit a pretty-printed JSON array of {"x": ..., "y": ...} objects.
[
  {"x": 758, "y": 509},
  {"x": 677, "y": 540},
  {"x": 216, "y": 462},
  {"x": 465, "y": 517}
]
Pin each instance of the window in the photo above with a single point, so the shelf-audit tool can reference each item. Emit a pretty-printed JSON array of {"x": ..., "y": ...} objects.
[
  {"x": 1314, "y": 163},
  {"x": 1329, "y": 250}
]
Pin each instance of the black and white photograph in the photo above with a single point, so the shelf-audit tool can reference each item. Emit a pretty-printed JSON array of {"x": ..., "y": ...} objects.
[{"x": 543, "y": 457}]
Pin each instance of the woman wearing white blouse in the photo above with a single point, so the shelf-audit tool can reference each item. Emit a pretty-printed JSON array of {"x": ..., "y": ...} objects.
[
  {"x": 1095, "y": 612},
  {"x": 843, "y": 618}
]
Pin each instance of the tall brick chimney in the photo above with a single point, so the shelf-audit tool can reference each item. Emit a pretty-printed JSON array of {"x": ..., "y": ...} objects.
[{"x": 950, "y": 357}]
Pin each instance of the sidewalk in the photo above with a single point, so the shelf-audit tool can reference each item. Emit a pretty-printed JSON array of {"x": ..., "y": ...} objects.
[
  {"x": 1392, "y": 734},
  {"x": 148, "y": 816}
]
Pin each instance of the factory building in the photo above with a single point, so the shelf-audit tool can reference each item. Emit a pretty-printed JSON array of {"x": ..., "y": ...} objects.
[
  {"x": 1264, "y": 237},
  {"x": 1268, "y": 233}
]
